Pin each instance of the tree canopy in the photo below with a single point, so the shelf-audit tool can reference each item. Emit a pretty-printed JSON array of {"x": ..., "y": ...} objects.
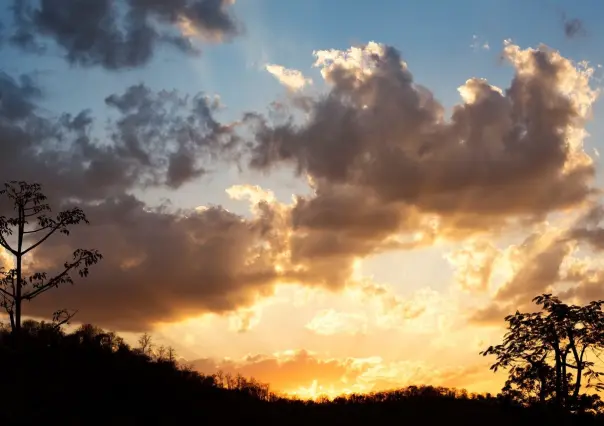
[{"x": 550, "y": 354}]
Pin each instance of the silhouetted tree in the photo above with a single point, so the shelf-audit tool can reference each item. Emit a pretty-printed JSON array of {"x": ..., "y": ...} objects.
[
  {"x": 547, "y": 352},
  {"x": 145, "y": 344},
  {"x": 533, "y": 383},
  {"x": 29, "y": 227}
]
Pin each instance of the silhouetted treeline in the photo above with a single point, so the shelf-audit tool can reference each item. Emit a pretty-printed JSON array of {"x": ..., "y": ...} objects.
[{"x": 92, "y": 377}]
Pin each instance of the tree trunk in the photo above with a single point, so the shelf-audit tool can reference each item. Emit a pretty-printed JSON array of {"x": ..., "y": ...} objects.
[
  {"x": 19, "y": 284},
  {"x": 559, "y": 396},
  {"x": 578, "y": 363},
  {"x": 577, "y": 384},
  {"x": 564, "y": 381},
  {"x": 11, "y": 316},
  {"x": 17, "y": 320},
  {"x": 17, "y": 327}
]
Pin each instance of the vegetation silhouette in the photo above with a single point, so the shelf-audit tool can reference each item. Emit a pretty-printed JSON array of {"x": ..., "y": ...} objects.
[
  {"x": 93, "y": 377},
  {"x": 543, "y": 349},
  {"x": 29, "y": 205}
]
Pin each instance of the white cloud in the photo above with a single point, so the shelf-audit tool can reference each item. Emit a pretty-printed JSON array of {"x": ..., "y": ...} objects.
[
  {"x": 294, "y": 80},
  {"x": 360, "y": 61}
]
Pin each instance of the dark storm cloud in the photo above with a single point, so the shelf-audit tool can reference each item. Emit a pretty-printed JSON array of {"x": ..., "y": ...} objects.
[{"x": 118, "y": 34}]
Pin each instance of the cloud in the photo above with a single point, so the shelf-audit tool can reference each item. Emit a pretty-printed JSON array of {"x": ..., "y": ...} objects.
[
  {"x": 586, "y": 273},
  {"x": 376, "y": 119},
  {"x": 392, "y": 309},
  {"x": 328, "y": 322},
  {"x": 492, "y": 314},
  {"x": 309, "y": 375},
  {"x": 478, "y": 45},
  {"x": 294, "y": 80},
  {"x": 245, "y": 319},
  {"x": 17, "y": 97},
  {"x": 388, "y": 170},
  {"x": 168, "y": 134},
  {"x": 286, "y": 371},
  {"x": 474, "y": 265},
  {"x": 405, "y": 373},
  {"x": 536, "y": 266},
  {"x": 118, "y": 35},
  {"x": 157, "y": 139},
  {"x": 588, "y": 230},
  {"x": 547, "y": 261},
  {"x": 162, "y": 267},
  {"x": 574, "y": 27}
]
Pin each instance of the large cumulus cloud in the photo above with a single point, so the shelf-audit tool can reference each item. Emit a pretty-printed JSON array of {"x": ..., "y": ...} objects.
[
  {"x": 389, "y": 169},
  {"x": 500, "y": 153},
  {"x": 118, "y": 34}
]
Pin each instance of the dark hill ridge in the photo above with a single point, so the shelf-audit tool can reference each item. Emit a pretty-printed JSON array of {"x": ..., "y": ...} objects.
[{"x": 91, "y": 377}]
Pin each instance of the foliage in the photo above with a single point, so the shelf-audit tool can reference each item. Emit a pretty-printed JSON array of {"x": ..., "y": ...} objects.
[
  {"x": 29, "y": 205},
  {"x": 548, "y": 354}
]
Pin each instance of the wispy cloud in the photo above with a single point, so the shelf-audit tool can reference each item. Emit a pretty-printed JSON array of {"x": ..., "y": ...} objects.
[
  {"x": 479, "y": 44},
  {"x": 329, "y": 322}
]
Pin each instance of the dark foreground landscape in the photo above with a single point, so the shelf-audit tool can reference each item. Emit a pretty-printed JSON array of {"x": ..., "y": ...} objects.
[{"x": 91, "y": 377}]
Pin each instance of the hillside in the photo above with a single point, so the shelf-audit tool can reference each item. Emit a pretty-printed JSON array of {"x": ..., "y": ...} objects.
[{"x": 91, "y": 377}]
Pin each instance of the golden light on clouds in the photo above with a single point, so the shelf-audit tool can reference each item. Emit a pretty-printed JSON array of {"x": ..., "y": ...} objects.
[
  {"x": 416, "y": 232},
  {"x": 328, "y": 322},
  {"x": 474, "y": 265},
  {"x": 294, "y": 80},
  {"x": 305, "y": 375},
  {"x": 191, "y": 29}
]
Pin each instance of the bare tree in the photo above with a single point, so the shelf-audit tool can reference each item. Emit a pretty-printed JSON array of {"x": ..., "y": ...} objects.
[
  {"x": 29, "y": 227},
  {"x": 171, "y": 354},
  {"x": 145, "y": 344},
  {"x": 161, "y": 353}
]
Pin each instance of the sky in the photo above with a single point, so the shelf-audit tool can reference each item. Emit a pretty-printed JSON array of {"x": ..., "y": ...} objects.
[{"x": 331, "y": 197}]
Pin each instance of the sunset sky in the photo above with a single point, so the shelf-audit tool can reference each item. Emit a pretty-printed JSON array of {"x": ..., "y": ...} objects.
[{"x": 330, "y": 196}]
